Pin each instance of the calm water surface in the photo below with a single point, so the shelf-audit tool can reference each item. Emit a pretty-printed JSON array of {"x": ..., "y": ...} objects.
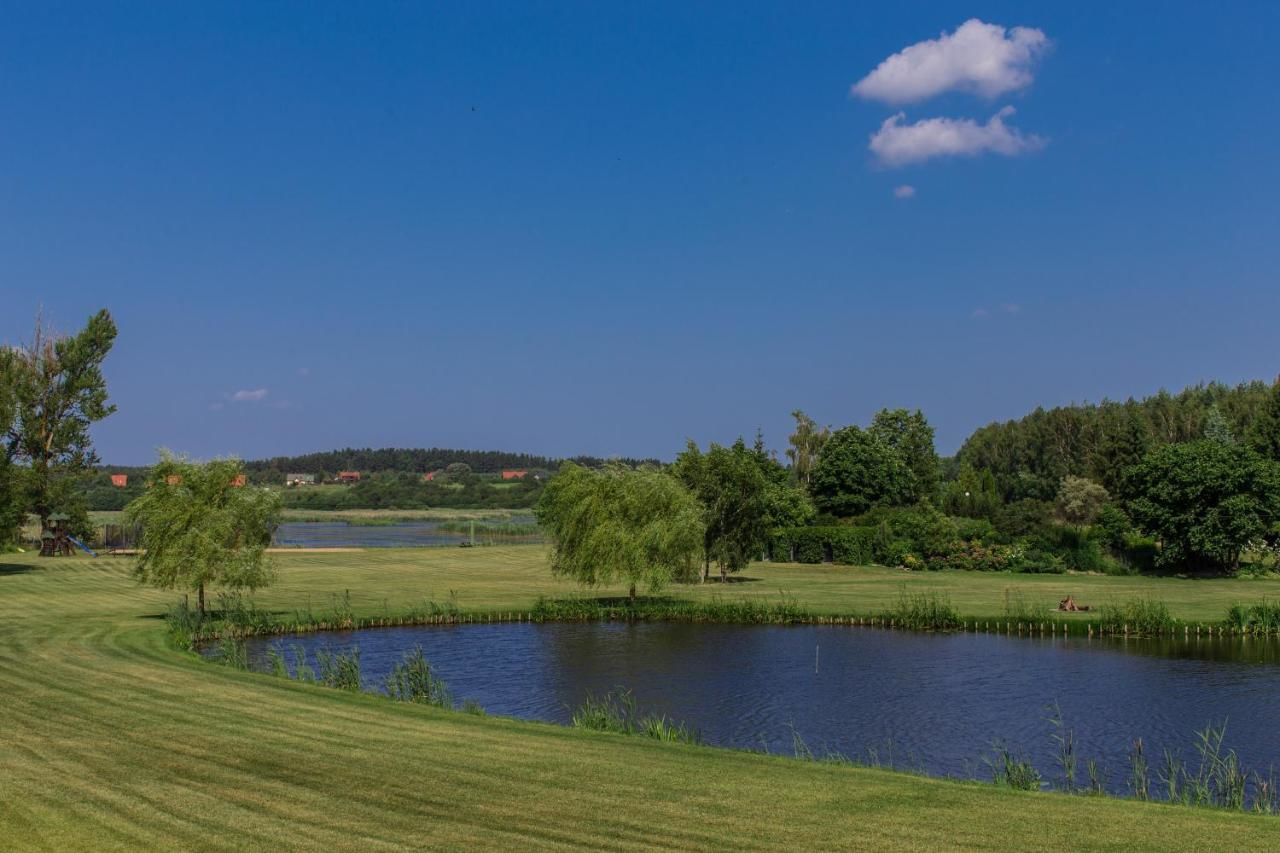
[
  {"x": 935, "y": 702},
  {"x": 407, "y": 534}
]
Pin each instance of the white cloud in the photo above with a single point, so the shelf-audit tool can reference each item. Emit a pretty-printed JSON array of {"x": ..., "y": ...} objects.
[
  {"x": 979, "y": 313},
  {"x": 899, "y": 144},
  {"x": 1010, "y": 308},
  {"x": 985, "y": 59},
  {"x": 252, "y": 396},
  {"x": 904, "y": 191}
]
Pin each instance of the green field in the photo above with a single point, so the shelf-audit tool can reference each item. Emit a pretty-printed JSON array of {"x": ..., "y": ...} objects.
[{"x": 111, "y": 738}]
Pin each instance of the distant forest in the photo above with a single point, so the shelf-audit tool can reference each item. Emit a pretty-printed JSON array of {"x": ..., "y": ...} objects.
[
  {"x": 412, "y": 460},
  {"x": 1029, "y": 457}
]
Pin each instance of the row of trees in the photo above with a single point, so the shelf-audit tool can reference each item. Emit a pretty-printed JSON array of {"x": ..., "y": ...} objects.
[{"x": 408, "y": 460}]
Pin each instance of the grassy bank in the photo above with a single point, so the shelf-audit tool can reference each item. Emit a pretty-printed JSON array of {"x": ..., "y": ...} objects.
[{"x": 113, "y": 739}]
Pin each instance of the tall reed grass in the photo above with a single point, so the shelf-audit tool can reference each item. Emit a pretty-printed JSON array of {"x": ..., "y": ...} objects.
[
  {"x": 616, "y": 712},
  {"x": 1263, "y": 617},
  {"x": 411, "y": 680},
  {"x": 924, "y": 611},
  {"x": 1136, "y": 616}
]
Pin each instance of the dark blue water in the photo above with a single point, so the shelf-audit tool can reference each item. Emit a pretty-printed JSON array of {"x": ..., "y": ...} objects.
[
  {"x": 408, "y": 534},
  {"x": 935, "y": 702}
]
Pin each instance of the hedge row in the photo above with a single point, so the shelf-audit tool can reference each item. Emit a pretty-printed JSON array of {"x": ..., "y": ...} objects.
[{"x": 854, "y": 546}]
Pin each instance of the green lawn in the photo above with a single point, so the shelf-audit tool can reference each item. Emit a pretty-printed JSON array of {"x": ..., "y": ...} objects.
[
  {"x": 109, "y": 738},
  {"x": 512, "y": 578}
]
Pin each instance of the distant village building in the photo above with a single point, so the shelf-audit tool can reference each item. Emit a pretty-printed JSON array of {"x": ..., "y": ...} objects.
[
  {"x": 120, "y": 481},
  {"x": 429, "y": 476},
  {"x": 514, "y": 475},
  {"x": 348, "y": 476},
  {"x": 238, "y": 481},
  {"x": 173, "y": 479},
  {"x": 299, "y": 479}
]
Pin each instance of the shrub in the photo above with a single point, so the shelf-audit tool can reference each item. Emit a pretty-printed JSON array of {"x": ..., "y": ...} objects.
[
  {"x": 974, "y": 529},
  {"x": 971, "y": 556}
]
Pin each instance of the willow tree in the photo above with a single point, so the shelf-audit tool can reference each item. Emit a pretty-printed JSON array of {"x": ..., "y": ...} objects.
[
  {"x": 201, "y": 526},
  {"x": 639, "y": 526}
]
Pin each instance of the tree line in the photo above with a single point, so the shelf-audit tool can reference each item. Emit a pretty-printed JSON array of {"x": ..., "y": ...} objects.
[
  {"x": 408, "y": 460},
  {"x": 1186, "y": 483}
]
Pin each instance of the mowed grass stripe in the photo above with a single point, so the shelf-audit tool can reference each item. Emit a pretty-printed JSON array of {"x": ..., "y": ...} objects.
[{"x": 120, "y": 741}]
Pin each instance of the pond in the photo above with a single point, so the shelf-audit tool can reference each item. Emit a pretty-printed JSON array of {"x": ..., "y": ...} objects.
[
  {"x": 404, "y": 534},
  {"x": 931, "y": 702}
]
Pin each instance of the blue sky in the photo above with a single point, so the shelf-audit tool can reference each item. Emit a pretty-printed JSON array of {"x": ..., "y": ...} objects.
[{"x": 604, "y": 228}]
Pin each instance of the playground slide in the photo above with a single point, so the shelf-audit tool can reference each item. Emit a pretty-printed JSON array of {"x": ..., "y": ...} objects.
[{"x": 82, "y": 546}]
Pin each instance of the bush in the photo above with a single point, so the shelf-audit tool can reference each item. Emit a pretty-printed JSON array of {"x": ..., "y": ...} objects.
[
  {"x": 1023, "y": 518},
  {"x": 974, "y": 557},
  {"x": 974, "y": 529}
]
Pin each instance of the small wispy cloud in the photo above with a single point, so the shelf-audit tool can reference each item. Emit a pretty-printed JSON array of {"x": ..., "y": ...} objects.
[
  {"x": 900, "y": 144},
  {"x": 981, "y": 58},
  {"x": 249, "y": 396},
  {"x": 304, "y": 371},
  {"x": 1006, "y": 308},
  {"x": 904, "y": 191},
  {"x": 215, "y": 407}
]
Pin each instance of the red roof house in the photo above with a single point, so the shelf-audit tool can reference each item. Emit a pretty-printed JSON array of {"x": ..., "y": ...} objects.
[
  {"x": 348, "y": 476},
  {"x": 120, "y": 481},
  {"x": 513, "y": 475}
]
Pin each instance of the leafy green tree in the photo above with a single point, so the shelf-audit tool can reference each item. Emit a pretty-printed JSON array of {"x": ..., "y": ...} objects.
[
  {"x": 1204, "y": 501},
  {"x": 911, "y": 437},
  {"x": 1080, "y": 500},
  {"x": 457, "y": 472},
  {"x": 200, "y": 529},
  {"x": 788, "y": 503},
  {"x": 806, "y": 446},
  {"x": 639, "y": 525},
  {"x": 734, "y": 495},
  {"x": 58, "y": 392},
  {"x": 857, "y": 471},
  {"x": 1264, "y": 432}
]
